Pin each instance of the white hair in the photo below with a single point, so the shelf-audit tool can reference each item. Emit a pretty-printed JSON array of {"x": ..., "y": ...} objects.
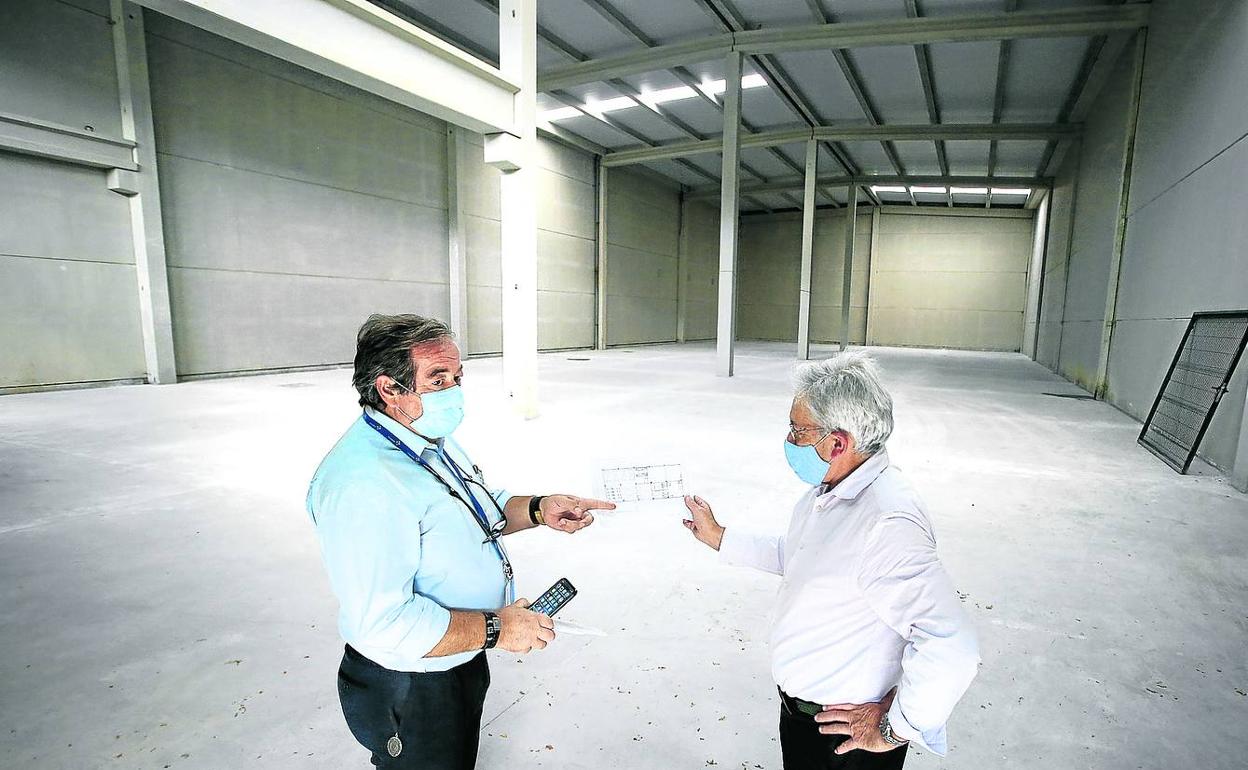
[{"x": 844, "y": 393}]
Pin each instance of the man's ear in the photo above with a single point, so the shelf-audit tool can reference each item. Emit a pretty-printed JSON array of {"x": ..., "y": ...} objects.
[
  {"x": 388, "y": 388},
  {"x": 839, "y": 442}
]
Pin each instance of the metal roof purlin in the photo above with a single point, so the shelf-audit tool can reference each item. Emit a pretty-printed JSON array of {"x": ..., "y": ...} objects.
[{"x": 1067, "y": 22}]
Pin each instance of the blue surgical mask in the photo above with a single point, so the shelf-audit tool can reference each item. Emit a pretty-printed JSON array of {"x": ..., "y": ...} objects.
[
  {"x": 806, "y": 462},
  {"x": 442, "y": 412}
]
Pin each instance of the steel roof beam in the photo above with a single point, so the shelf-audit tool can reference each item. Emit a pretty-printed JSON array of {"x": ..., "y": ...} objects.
[
  {"x": 796, "y": 183},
  {"x": 731, "y": 21},
  {"x": 1069, "y": 22},
  {"x": 882, "y": 133}
]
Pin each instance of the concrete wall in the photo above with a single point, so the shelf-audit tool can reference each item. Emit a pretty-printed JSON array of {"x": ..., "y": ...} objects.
[
  {"x": 701, "y": 275},
  {"x": 938, "y": 280},
  {"x": 643, "y": 226},
  {"x": 68, "y": 289},
  {"x": 1099, "y": 172},
  {"x": 566, "y": 237},
  {"x": 770, "y": 277},
  {"x": 1186, "y": 230},
  {"x": 1053, "y": 292},
  {"x": 951, "y": 281},
  {"x": 294, "y": 206}
]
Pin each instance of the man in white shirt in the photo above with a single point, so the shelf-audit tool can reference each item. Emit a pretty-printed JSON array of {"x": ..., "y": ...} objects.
[{"x": 870, "y": 646}]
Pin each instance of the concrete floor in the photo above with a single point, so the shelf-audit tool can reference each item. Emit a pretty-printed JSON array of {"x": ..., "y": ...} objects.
[{"x": 163, "y": 603}]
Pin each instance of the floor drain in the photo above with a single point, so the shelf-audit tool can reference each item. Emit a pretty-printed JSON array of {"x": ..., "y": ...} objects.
[
  {"x": 1076, "y": 396},
  {"x": 578, "y": 359}
]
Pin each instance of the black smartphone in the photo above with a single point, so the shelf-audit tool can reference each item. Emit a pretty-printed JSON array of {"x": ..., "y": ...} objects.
[{"x": 555, "y": 598}]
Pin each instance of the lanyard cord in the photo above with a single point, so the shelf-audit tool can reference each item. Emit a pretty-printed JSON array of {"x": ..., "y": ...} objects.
[{"x": 475, "y": 509}]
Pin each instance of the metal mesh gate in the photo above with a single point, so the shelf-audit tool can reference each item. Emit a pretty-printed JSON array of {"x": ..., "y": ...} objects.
[{"x": 1194, "y": 385}]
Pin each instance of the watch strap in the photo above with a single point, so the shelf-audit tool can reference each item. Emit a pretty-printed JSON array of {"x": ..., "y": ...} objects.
[
  {"x": 535, "y": 510},
  {"x": 493, "y": 629},
  {"x": 886, "y": 732}
]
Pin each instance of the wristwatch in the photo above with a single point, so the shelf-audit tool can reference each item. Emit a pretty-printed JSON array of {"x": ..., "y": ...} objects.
[
  {"x": 886, "y": 732},
  {"x": 535, "y": 510},
  {"x": 493, "y": 627}
]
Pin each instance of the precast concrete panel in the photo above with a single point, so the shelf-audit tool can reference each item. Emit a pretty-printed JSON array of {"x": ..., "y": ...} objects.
[
  {"x": 58, "y": 64},
  {"x": 69, "y": 308},
  {"x": 643, "y": 224}
]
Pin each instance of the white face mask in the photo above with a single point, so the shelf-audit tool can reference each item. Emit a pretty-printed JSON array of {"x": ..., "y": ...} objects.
[{"x": 441, "y": 412}]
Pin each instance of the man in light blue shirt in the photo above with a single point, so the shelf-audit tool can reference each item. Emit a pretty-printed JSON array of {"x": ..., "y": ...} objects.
[{"x": 409, "y": 532}]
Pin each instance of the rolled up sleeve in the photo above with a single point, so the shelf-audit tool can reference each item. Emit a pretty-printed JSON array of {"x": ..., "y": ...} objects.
[
  {"x": 371, "y": 556},
  {"x": 750, "y": 549},
  {"x": 906, "y": 585}
]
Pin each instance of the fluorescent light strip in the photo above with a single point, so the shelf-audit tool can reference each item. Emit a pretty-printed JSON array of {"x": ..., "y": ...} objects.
[
  {"x": 711, "y": 88},
  {"x": 887, "y": 188},
  {"x": 1020, "y": 191},
  {"x": 563, "y": 113},
  {"x": 653, "y": 98},
  {"x": 928, "y": 190},
  {"x": 969, "y": 190},
  {"x": 717, "y": 87}
]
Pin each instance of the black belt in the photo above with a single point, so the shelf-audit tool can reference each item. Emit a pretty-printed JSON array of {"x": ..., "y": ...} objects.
[{"x": 797, "y": 706}]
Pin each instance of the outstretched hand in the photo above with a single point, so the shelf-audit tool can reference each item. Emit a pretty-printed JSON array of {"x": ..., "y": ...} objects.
[
  {"x": 569, "y": 513},
  {"x": 702, "y": 523}
]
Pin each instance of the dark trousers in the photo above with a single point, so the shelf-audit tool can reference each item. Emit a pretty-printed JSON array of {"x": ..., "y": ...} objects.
[
  {"x": 805, "y": 748},
  {"x": 436, "y": 715}
]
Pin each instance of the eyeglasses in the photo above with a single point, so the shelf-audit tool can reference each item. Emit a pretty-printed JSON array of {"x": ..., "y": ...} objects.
[{"x": 797, "y": 432}]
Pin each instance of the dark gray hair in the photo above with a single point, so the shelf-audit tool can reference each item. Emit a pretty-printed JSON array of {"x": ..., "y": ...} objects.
[
  {"x": 845, "y": 394},
  {"x": 384, "y": 346}
]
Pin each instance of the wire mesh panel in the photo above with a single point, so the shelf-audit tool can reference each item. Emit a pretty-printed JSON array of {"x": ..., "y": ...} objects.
[{"x": 1196, "y": 382}]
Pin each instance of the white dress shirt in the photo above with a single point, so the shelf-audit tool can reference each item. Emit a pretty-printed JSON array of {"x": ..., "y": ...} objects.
[{"x": 865, "y": 603}]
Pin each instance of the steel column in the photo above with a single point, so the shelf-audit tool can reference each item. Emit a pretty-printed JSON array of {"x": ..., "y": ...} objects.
[
  {"x": 457, "y": 239},
  {"x": 143, "y": 189},
  {"x": 600, "y": 267},
  {"x": 517, "y": 35},
  {"x": 729, "y": 211},
  {"x": 1120, "y": 230},
  {"x": 808, "y": 244},
  {"x": 851, "y": 231}
]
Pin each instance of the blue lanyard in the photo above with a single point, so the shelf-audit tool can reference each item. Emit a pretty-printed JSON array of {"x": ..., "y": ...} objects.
[
  {"x": 478, "y": 511},
  {"x": 422, "y": 462}
]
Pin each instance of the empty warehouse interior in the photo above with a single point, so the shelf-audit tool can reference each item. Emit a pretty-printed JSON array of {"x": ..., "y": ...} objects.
[{"x": 637, "y": 219}]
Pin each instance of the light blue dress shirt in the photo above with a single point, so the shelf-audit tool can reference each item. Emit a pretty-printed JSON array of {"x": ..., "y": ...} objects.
[{"x": 400, "y": 551}]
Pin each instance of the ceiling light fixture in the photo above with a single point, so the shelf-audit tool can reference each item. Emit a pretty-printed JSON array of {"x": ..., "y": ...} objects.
[
  {"x": 562, "y": 113},
  {"x": 969, "y": 190},
  {"x": 716, "y": 87},
  {"x": 888, "y": 188},
  {"x": 654, "y": 98},
  {"x": 928, "y": 190},
  {"x": 1011, "y": 191}
]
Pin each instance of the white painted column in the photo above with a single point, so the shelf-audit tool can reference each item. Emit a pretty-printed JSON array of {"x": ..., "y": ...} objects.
[
  {"x": 808, "y": 246},
  {"x": 1035, "y": 277},
  {"x": 1239, "y": 474},
  {"x": 601, "y": 265},
  {"x": 517, "y": 37},
  {"x": 851, "y": 231},
  {"x": 729, "y": 211},
  {"x": 871, "y": 270},
  {"x": 1101, "y": 386},
  {"x": 143, "y": 189},
  {"x": 682, "y": 268},
  {"x": 457, "y": 238}
]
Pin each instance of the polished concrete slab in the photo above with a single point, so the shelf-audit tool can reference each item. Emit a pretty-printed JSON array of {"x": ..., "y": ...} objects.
[{"x": 162, "y": 602}]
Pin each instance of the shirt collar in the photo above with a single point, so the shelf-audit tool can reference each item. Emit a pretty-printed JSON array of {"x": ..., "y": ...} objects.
[
  {"x": 852, "y": 485},
  {"x": 404, "y": 433}
]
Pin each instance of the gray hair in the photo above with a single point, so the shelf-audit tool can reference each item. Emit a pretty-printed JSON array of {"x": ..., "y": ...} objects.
[
  {"x": 845, "y": 394},
  {"x": 384, "y": 346}
]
